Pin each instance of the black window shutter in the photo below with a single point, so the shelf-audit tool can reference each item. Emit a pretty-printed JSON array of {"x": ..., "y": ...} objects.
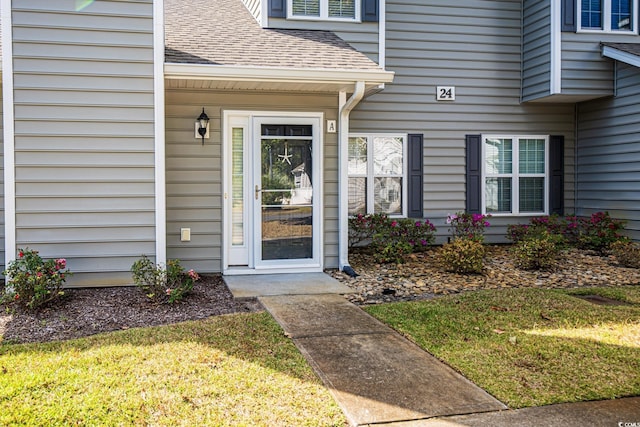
[
  {"x": 556, "y": 168},
  {"x": 568, "y": 15},
  {"x": 474, "y": 173},
  {"x": 277, "y": 8},
  {"x": 414, "y": 176},
  {"x": 370, "y": 10}
]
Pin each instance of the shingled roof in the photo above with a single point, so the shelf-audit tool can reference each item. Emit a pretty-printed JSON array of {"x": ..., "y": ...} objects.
[
  {"x": 628, "y": 53},
  {"x": 223, "y": 32}
]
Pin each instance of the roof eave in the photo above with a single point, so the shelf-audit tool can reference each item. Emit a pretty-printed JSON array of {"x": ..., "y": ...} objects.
[
  {"x": 622, "y": 56},
  {"x": 276, "y": 74}
]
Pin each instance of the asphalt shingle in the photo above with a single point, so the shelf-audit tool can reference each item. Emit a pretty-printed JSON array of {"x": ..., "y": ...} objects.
[{"x": 223, "y": 32}]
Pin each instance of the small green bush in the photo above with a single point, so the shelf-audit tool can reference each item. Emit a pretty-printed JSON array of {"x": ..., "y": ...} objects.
[
  {"x": 163, "y": 283},
  {"x": 537, "y": 252},
  {"x": 462, "y": 256},
  {"x": 627, "y": 253},
  {"x": 32, "y": 281},
  {"x": 565, "y": 227}
]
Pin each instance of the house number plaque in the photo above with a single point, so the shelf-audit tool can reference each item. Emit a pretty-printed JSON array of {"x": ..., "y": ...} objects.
[{"x": 445, "y": 93}]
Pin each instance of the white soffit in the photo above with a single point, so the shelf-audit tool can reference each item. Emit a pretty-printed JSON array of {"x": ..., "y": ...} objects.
[{"x": 275, "y": 78}]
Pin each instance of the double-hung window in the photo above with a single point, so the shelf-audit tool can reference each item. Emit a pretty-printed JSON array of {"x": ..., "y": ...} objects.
[
  {"x": 377, "y": 174},
  {"x": 515, "y": 170},
  {"x": 324, "y": 9},
  {"x": 608, "y": 15}
]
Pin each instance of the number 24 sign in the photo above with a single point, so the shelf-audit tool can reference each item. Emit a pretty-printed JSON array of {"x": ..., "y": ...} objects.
[{"x": 445, "y": 93}]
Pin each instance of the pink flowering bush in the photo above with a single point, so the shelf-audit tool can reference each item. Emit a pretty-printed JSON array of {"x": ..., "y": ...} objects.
[
  {"x": 565, "y": 228},
  {"x": 32, "y": 281},
  {"x": 597, "y": 232},
  {"x": 390, "y": 239},
  {"x": 163, "y": 283},
  {"x": 468, "y": 226}
]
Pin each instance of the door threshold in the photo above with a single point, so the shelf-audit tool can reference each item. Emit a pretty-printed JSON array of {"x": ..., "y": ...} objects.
[{"x": 237, "y": 271}]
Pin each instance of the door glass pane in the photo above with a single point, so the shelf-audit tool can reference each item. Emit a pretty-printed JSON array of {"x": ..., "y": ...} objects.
[
  {"x": 498, "y": 155},
  {"x": 286, "y": 199},
  {"x": 531, "y": 153},
  {"x": 237, "y": 187},
  {"x": 498, "y": 194},
  {"x": 387, "y": 195},
  {"x": 532, "y": 194}
]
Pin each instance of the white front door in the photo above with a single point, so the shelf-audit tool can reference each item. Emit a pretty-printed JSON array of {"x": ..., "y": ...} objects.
[{"x": 272, "y": 192}]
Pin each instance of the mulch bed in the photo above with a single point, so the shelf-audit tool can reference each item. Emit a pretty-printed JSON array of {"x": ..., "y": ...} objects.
[{"x": 82, "y": 312}]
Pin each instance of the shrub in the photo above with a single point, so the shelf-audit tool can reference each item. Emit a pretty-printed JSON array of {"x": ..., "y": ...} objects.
[
  {"x": 163, "y": 283},
  {"x": 599, "y": 231},
  {"x": 362, "y": 228},
  {"x": 462, "y": 256},
  {"x": 537, "y": 252},
  {"x": 468, "y": 226},
  {"x": 33, "y": 281},
  {"x": 627, "y": 253},
  {"x": 390, "y": 239},
  {"x": 565, "y": 227}
]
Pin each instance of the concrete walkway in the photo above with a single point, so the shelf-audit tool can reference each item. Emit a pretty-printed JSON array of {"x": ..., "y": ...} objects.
[
  {"x": 379, "y": 378},
  {"x": 375, "y": 375}
]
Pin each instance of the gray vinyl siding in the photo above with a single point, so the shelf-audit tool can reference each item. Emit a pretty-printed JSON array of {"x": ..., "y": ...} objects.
[
  {"x": 608, "y": 163},
  {"x": 255, "y": 7},
  {"x": 584, "y": 71},
  {"x": 536, "y": 49},
  {"x": 194, "y": 171},
  {"x": 84, "y": 134},
  {"x": 362, "y": 36},
  {"x": 428, "y": 46}
]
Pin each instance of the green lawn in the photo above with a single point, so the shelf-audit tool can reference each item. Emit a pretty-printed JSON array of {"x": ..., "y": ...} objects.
[
  {"x": 531, "y": 347},
  {"x": 237, "y": 370}
]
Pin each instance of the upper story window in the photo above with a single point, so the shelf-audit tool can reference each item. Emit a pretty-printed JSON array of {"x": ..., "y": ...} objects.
[
  {"x": 324, "y": 9},
  {"x": 607, "y": 15},
  {"x": 515, "y": 174}
]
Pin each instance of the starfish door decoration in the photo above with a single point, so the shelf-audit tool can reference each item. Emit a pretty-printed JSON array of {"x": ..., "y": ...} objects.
[{"x": 286, "y": 157}]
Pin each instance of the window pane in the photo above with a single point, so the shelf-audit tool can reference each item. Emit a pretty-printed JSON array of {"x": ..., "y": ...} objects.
[
  {"x": 387, "y": 155},
  {"x": 357, "y": 156},
  {"x": 498, "y": 194},
  {"x": 621, "y": 14},
  {"x": 342, "y": 8},
  {"x": 237, "y": 187},
  {"x": 591, "y": 16},
  {"x": 387, "y": 195},
  {"x": 357, "y": 196},
  {"x": 531, "y": 194},
  {"x": 531, "y": 153},
  {"x": 499, "y": 156},
  {"x": 306, "y": 8}
]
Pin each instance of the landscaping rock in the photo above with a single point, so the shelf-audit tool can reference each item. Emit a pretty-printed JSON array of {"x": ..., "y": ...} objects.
[{"x": 421, "y": 277}]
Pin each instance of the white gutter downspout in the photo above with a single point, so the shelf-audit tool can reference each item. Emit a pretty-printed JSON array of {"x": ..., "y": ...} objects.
[{"x": 343, "y": 178}]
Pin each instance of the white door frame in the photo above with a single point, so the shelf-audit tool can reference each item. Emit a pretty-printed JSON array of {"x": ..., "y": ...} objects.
[{"x": 254, "y": 119}]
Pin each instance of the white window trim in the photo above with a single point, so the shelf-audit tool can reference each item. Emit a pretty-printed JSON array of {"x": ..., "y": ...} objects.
[
  {"x": 515, "y": 174},
  {"x": 324, "y": 13},
  {"x": 606, "y": 19},
  {"x": 370, "y": 175}
]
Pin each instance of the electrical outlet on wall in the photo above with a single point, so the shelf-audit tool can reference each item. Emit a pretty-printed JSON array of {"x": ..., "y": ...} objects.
[{"x": 185, "y": 234}]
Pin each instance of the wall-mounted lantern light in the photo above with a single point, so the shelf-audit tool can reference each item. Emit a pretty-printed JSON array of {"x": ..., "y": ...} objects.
[{"x": 202, "y": 126}]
